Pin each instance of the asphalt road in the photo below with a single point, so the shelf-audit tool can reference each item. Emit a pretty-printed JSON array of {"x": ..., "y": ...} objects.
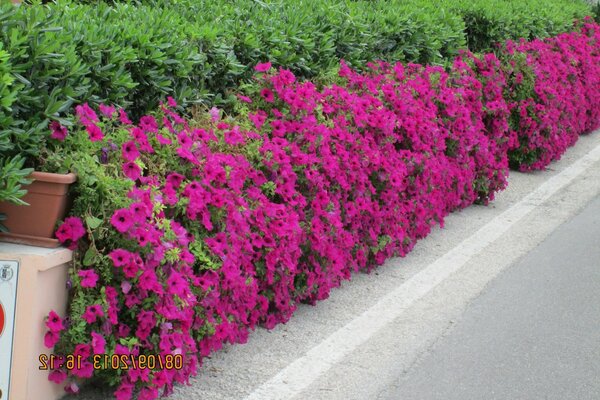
[{"x": 534, "y": 333}]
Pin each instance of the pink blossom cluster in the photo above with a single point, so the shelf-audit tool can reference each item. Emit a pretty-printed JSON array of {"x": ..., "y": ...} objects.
[
  {"x": 564, "y": 103},
  {"x": 231, "y": 224}
]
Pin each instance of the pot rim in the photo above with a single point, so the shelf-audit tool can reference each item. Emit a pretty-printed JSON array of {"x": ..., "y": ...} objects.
[{"x": 51, "y": 177}]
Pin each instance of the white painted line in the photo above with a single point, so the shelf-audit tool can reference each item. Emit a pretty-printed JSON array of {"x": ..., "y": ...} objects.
[{"x": 298, "y": 375}]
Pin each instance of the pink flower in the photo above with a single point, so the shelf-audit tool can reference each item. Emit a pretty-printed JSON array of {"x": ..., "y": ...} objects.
[
  {"x": 129, "y": 151},
  {"x": 124, "y": 391},
  {"x": 263, "y": 67},
  {"x": 77, "y": 229},
  {"x": 215, "y": 114},
  {"x": 51, "y": 338},
  {"x": 94, "y": 132},
  {"x": 245, "y": 99},
  {"x": 164, "y": 141},
  {"x": 175, "y": 179},
  {"x": 130, "y": 270},
  {"x": 70, "y": 230},
  {"x": 107, "y": 111},
  {"x": 122, "y": 220},
  {"x": 57, "y": 376},
  {"x": 85, "y": 114},
  {"x": 148, "y": 124},
  {"x": 123, "y": 118},
  {"x": 92, "y": 313},
  {"x": 267, "y": 95},
  {"x": 72, "y": 388},
  {"x": 184, "y": 140},
  {"x": 171, "y": 102},
  {"x": 54, "y": 322},
  {"x": 59, "y": 132},
  {"x": 88, "y": 278},
  {"x": 64, "y": 233},
  {"x": 148, "y": 393},
  {"x": 120, "y": 257},
  {"x": 125, "y": 287},
  {"x": 148, "y": 281},
  {"x": 132, "y": 170},
  {"x": 98, "y": 343},
  {"x": 83, "y": 370},
  {"x": 258, "y": 118},
  {"x": 82, "y": 350}
]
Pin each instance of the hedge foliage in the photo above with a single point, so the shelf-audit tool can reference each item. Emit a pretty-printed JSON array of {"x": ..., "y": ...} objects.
[
  {"x": 190, "y": 233},
  {"x": 490, "y": 22}
]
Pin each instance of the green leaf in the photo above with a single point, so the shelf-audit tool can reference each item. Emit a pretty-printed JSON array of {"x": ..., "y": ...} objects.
[
  {"x": 89, "y": 257},
  {"x": 93, "y": 222}
]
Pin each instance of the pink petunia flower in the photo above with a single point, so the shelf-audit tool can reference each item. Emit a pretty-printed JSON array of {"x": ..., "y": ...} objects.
[
  {"x": 164, "y": 141},
  {"x": 130, "y": 270},
  {"x": 263, "y": 67},
  {"x": 92, "y": 313},
  {"x": 64, "y": 233},
  {"x": 129, "y": 151},
  {"x": 258, "y": 118},
  {"x": 85, "y": 369},
  {"x": 94, "y": 132},
  {"x": 148, "y": 124},
  {"x": 124, "y": 391},
  {"x": 72, "y": 388},
  {"x": 98, "y": 343},
  {"x": 123, "y": 118},
  {"x": 125, "y": 287},
  {"x": 89, "y": 278},
  {"x": 82, "y": 350},
  {"x": 122, "y": 220},
  {"x": 148, "y": 393},
  {"x": 54, "y": 322},
  {"x": 215, "y": 114},
  {"x": 70, "y": 230},
  {"x": 57, "y": 376},
  {"x": 184, "y": 140},
  {"x": 132, "y": 170},
  {"x": 267, "y": 95},
  {"x": 51, "y": 338},
  {"x": 120, "y": 257},
  {"x": 77, "y": 229},
  {"x": 175, "y": 179},
  {"x": 171, "y": 102},
  {"x": 245, "y": 99},
  {"x": 107, "y": 111},
  {"x": 85, "y": 114},
  {"x": 59, "y": 132}
]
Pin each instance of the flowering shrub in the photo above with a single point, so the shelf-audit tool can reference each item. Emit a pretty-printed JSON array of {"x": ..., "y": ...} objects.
[
  {"x": 553, "y": 94},
  {"x": 197, "y": 230}
]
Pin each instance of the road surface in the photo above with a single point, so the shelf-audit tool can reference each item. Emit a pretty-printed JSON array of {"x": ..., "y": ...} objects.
[{"x": 534, "y": 333}]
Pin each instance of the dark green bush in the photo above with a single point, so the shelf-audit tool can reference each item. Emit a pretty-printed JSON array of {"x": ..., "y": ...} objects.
[{"x": 489, "y": 22}]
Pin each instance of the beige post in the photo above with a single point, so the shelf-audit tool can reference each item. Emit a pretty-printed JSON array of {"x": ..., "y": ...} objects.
[{"x": 41, "y": 287}]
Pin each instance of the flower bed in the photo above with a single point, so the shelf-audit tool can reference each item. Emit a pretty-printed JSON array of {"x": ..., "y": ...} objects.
[{"x": 190, "y": 233}]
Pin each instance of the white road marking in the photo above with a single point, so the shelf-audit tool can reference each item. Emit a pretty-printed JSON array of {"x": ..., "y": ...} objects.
[{"x": 298, "y": 375}]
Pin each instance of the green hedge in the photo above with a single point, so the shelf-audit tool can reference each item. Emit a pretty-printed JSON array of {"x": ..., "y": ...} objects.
[
  {"x": 135, "y": 54},
  {"x": 489, "y": 22}
]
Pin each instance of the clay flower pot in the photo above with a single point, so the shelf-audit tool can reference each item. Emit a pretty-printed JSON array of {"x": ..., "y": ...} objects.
[{"x": 48, "y": 202}]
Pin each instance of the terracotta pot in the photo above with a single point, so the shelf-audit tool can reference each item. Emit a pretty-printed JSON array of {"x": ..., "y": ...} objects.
[{"x": 48, "y": 201}]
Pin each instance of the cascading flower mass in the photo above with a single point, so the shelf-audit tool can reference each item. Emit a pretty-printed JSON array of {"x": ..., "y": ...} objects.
[{"x": 193, "y": 232}]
